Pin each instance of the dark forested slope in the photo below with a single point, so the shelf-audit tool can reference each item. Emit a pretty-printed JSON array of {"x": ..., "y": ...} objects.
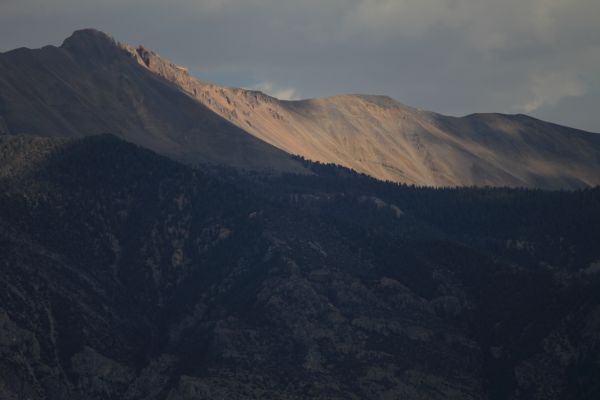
[{"x": 126, "y": 275}]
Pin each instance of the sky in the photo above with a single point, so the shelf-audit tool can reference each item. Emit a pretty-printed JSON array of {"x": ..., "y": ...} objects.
[{"x": 456, "y": 57}]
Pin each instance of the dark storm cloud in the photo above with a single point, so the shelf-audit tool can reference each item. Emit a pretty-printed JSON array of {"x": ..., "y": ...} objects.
[{"x": 541, "y": 57}]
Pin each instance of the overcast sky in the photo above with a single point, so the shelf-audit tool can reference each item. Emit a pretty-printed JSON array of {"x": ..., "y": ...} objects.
[{"x": 540, "y": 57}]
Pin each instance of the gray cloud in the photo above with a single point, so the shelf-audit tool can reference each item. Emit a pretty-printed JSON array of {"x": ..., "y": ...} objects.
[{"x": 541, "y": 57}]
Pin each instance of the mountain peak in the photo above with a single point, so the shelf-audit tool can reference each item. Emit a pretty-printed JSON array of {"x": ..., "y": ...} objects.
[
  {"x": 87, "y": 36},
  {"x": 91, "y": 42}
]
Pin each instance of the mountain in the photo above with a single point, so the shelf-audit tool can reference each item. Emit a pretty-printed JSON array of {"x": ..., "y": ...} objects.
[
  {"x": 385, "y": 139},
  {"x": 159, "y": 240},
  {"x": 93, "y": 84},
  {"x": 126, "y": 275}
]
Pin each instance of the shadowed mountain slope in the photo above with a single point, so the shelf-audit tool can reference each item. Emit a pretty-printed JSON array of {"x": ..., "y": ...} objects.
[
  {"x": 125, "y": 275},
  {"x": 92, "y": 85}
]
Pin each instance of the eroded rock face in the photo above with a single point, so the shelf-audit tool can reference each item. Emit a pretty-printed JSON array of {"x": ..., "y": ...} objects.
[
  {"x": 99, "y": 376},
  {"x": 126, "y": 275}
]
